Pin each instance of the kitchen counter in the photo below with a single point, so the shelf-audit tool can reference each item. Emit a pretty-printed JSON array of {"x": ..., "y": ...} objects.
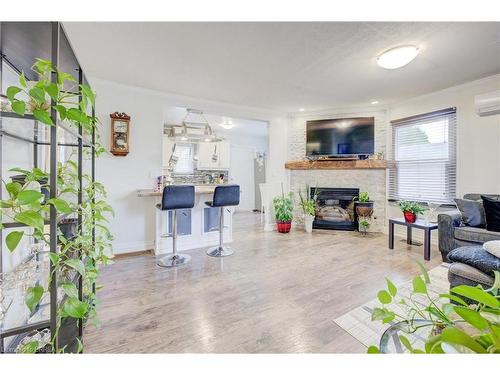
[
  {"x": 198, "y": 189},
  {"x": 197, "y": 228}
]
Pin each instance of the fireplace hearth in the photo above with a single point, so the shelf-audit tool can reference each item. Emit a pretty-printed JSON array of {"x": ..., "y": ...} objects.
[{"x": 335, "y": 208}]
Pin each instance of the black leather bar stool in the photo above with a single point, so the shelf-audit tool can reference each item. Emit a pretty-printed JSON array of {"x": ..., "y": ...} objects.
[
  {"x": 226, "y": 195},
  {"x": 175, "y": 197}
]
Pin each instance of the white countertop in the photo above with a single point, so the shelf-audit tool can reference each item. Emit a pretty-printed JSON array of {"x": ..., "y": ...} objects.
[{"x": 198, "y": 189}]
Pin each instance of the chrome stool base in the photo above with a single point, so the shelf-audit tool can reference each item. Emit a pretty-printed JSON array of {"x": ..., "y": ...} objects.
[
  {"x": 173, "y": 260},
  {"x": 220, "y": 251}
]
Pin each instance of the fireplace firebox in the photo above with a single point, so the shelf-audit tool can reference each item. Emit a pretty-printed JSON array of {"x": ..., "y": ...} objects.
[{"x": 335, "y": 208}]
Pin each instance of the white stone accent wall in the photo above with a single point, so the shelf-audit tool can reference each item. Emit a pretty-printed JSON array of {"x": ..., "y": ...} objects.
[{"x": 371, "y": 180}]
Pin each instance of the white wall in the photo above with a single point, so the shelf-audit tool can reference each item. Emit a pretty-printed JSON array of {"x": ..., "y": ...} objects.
[
  {"x": 478, "y": 140},
  {"x": 133, "y": 225}
]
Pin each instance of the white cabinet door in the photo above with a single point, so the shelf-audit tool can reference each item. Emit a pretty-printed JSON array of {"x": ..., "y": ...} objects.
[
  {"x": 205, "y": 154},
  {"x": 224, "y": 155},
  {"x": 168, "y": 148}
]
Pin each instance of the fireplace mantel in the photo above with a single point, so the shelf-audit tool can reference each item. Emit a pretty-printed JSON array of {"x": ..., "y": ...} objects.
[{"x": 338, "y": 164}]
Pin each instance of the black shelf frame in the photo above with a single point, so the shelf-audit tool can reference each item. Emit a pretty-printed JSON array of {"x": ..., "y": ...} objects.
[{"x": 21, "y": 42}]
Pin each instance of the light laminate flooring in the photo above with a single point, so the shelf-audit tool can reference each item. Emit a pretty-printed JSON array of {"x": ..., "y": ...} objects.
[{"x": 279, "y": 293}]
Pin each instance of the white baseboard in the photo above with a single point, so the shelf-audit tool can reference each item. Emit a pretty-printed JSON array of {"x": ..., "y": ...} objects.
[{"x": 131, "y": 247}]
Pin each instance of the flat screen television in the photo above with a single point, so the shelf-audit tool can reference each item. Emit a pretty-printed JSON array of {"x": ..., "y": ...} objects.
[{"x": 343, "y": 136}]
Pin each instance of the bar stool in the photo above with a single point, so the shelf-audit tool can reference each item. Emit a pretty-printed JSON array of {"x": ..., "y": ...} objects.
[
  {"x": 226, "y": 195},
  {"x": 175, "y": 197}
]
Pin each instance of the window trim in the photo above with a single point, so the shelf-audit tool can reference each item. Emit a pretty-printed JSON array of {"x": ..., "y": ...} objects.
[{"x": 453, "y": 147}]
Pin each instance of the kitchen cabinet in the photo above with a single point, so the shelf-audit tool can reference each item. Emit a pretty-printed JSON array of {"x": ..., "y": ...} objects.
[{"x": 206, "y": 152}]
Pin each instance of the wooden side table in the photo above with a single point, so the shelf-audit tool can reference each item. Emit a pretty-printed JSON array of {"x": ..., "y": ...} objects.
[{"x": 420, "y": 224}]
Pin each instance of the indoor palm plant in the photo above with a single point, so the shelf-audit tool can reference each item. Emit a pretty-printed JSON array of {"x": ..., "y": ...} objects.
[
  {"x": 27, "y": 202},
  {"x": 283, "y": 211},
  {"x": 466, "y": 320},
  {"x": 411, "y": 210},
  {"x": 308, "y": 206}
]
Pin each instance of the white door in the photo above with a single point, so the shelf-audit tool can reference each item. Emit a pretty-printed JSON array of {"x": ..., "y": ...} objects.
[{"x": 241, "y": 172}]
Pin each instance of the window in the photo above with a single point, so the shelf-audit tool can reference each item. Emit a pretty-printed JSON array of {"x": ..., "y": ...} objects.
[
  {"x": 184, "y": 153},
  {"x": 424, "y": 152}
]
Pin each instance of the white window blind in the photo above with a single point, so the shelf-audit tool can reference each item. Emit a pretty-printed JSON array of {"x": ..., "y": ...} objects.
[
  {"x": 184, "y": 153},
  {"x": 424, "y": 155}
]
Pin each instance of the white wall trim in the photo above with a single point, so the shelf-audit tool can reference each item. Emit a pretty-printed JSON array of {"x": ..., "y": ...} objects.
[{"x": 131, "y": 247}]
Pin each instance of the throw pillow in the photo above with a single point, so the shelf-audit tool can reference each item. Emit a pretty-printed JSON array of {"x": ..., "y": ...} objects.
[
  {"x": 492, "y": 247},
  {"x": 472, "y": 212},
  {"x": 492, "y": 211}
]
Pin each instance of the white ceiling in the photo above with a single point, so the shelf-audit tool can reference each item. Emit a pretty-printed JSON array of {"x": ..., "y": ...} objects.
[
  {"x": 287, "y": 66},
  {"x": 242, "y": 127}
]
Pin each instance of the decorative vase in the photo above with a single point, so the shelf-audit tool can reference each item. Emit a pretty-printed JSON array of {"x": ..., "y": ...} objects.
[
  {"x": 283, "y": 226},
  {"x": 410, "y": 217},
  {"x": 364, "y": 209},
  {"x": 308, "y": 223}
]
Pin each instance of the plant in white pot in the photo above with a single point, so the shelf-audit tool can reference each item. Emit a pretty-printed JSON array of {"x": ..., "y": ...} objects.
[{"x": 308, "y": 206}]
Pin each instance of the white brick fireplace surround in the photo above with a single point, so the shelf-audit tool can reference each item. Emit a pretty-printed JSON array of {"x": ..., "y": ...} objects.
[{"x": 371, "y": 180}]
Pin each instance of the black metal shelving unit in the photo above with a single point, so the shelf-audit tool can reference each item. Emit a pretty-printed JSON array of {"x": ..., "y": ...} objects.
[{"x": 20, "y": 44}]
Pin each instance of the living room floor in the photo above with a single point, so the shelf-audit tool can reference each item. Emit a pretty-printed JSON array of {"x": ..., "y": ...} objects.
[{"x": 279, "y": 293}]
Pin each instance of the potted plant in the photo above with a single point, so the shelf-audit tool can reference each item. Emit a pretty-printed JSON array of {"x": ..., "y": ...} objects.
[
  {"x": 363, "y": 226},
  {"x": 363, "y": 204},
  {"x": 308, "y": 206},
  {"x": 446, "y": 323},
  {"x": 283, "y": 211},
  {"x": 411, "y": 210}
]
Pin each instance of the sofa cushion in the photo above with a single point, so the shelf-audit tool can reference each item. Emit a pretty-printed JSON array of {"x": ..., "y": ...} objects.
[
  {"x": 477, "y": 257},
  {"x": 460, "y": 274},
  {"x": 472, "y": 212},
  {"x": 478, "y": 235},
  {"x": 492, "y": 211}
]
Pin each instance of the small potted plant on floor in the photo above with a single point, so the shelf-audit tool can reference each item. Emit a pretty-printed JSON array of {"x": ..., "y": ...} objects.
[
  {"x": 363, "y": 226},
  {"x": 283, "y": 211},
  {"x": 363, "y": 204},
  {"x": 308, "y": 206},
  {"x": 411, "y": 210}
]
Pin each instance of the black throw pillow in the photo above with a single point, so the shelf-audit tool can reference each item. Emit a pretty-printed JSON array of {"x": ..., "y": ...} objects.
[
  {"x": 492, "y": 211},
  {"x": 472, "y": 212}
]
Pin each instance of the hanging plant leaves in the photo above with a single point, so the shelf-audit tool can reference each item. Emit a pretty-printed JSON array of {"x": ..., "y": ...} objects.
[
  {"x": 37, "y": 94},
  {"x": 13, "y": 188},
  {"x": 476, "y": 294},
  {"x": 61, "y": 205},
  {"x": 76, "y": 264},
  {"x": 53, "y": 91},
  {"x": 75, "y": 308},
  {"x": 12, "y": 91},
  {"x": 29, "y": 348},
  {"x": 42, "y": 116},
  {"x": 384, "y": 297},
  {"x": 70, "y": 290},
  {"x": 87, "y": 91},
  {"x": 29, "y": 196},
  {"x": 419, "y": 285},
  {"x": 391, "y": 287},
  {"x": 33, "y": 296},
  {"x": 77, "y": 116},
  {"x": 30, "y": 218},
  {"x": 12, "y": 239},
  {"x": 19, "y": 107}
]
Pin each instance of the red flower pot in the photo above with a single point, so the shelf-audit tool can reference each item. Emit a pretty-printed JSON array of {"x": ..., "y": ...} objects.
[
  {"x": 410, "y": 217},
  {"x": 283, "y": 227}
]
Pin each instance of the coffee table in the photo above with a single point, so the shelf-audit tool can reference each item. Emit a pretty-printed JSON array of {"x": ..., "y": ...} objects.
[{"x": 420, "y": 224}]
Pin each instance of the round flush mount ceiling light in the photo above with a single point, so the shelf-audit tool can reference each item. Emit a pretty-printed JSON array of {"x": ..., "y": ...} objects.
[
  {"x": 397, "y": 57},
  {"x": 374, "y": 102},
  {"x": 227, "y": 123}
]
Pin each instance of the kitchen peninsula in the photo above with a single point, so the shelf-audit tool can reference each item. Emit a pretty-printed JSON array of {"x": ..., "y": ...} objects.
[{"x": 196, "y": 228}]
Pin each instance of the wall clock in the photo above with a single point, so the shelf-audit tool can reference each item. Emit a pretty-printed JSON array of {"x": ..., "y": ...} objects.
[{"x": 120, "y": 133}]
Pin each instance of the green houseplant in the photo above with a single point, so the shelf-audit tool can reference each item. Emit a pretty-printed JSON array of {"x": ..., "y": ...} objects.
[
  {"x": 283, "y": 211},
  {"x": 452, "y": 324},
  {"x": 411, "y": 210},
  {"x": 308, "y": 206},
  {"x": 363, "y": 205},
  {"x": 27, "y": 201},
  {"x": 364, "y": 225}
]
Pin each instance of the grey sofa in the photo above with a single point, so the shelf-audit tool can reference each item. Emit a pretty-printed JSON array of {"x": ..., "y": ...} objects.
[{"x": 452, "y": 233}]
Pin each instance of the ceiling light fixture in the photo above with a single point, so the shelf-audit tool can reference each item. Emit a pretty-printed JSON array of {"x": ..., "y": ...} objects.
[
  {"x": 397, "y": 57},
  {"x": 302, "y": 109},
  {"x": 374, "y": 101},
  {"x": 227, "y": 123}
]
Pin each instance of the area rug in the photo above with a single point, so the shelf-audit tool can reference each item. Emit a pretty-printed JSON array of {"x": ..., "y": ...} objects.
[{"x": 358, "y": 323}]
